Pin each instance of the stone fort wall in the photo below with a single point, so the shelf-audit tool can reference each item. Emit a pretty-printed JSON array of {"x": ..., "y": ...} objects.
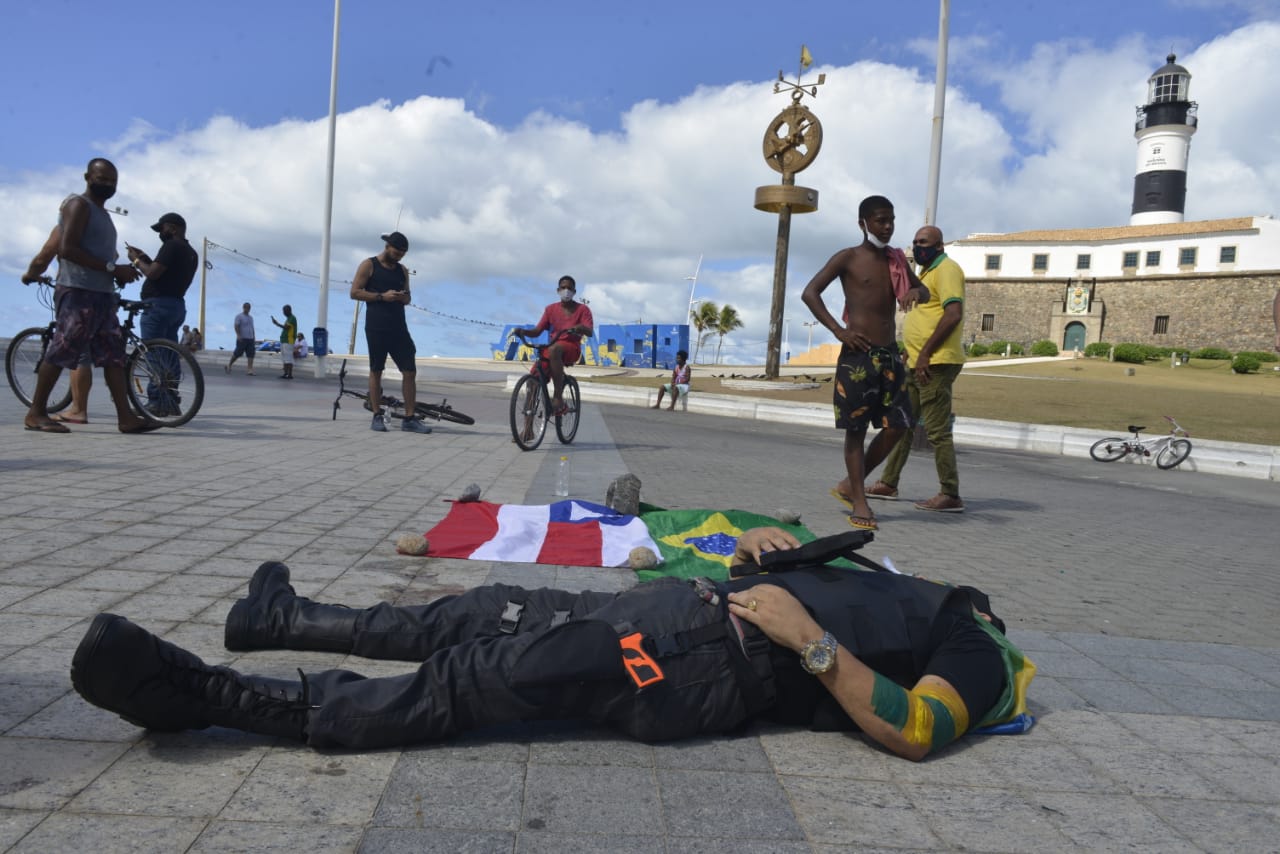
[{"x": 1228, "y": 310}]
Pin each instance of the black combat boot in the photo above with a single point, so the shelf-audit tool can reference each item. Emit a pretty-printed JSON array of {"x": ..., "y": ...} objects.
[
  {"x": 273, "y": 616},
  {"x": 154, "y": 684}
]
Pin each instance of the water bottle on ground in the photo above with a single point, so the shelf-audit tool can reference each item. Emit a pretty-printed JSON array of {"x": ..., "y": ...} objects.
[{"x": 562, "y": 476}]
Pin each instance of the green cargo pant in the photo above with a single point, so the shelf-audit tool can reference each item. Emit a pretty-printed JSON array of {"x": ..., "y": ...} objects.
[{"x": 930, "y": 405}]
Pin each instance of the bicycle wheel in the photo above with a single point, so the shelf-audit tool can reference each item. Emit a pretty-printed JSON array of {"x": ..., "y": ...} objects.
[
  {"x": 1109, "y": 450},
  {"x": 442, "y": 412},
  {"x": 1173, "y": 453},
  {"x": 567, "y": 424},
  {"x": 165, "y": 383},
  {"x": 530, "y": 411},
  {"x": 22, "y": 362}
]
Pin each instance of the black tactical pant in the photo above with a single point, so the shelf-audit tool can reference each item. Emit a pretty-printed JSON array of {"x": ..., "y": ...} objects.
[{"x": 478, "y": 671}]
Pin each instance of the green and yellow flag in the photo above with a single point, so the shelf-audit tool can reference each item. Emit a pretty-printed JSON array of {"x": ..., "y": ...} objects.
[{"x": 701, "y": 542}]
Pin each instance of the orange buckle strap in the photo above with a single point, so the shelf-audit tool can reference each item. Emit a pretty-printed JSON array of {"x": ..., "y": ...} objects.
[{"x": 641, "y": 667}]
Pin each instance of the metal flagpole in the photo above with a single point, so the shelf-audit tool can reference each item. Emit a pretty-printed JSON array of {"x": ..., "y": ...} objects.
[
  {"x": 939, "y": 106},
  {"x": 322, "y": 311}
]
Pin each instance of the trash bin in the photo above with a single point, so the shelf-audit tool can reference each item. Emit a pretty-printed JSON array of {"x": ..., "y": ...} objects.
[{"x": 320, "y": 341}]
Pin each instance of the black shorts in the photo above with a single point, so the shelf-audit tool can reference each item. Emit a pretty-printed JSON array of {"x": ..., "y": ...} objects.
[
  {"x": 244, "y": 347},
  {"x": 396, "y": 343}
]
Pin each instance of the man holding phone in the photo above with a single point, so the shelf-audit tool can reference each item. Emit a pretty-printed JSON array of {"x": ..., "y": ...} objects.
[
  {"x": 383, "y": 282},
  {"x": 164, "y": 292}
]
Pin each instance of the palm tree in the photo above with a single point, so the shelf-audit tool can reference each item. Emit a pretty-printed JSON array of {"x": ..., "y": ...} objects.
[
  {"x": 705, "y": 318},
  {"x": 726, "y": 322}
]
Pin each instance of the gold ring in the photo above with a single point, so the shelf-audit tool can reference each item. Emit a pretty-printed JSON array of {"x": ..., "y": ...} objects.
[{"x": 751, "y": 605}]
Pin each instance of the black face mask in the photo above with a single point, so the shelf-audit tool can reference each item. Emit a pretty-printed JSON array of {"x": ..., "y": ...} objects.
[
  {"x": 102, "y": 192},
  {"x": 925, "y": 255},
  {"x": 166, "y": 235}
]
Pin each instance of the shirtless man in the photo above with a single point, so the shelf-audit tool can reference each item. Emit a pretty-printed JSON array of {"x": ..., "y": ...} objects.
[{"x": 870, "y": 373}]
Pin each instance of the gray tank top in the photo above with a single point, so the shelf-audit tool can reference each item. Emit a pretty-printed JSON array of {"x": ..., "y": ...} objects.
[{"x": 99, "y": 240}]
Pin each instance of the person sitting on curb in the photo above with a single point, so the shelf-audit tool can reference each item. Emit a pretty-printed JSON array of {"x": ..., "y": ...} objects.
[
  {"x": 679, "y": 384},
  {"x": 807, "y": 643}
]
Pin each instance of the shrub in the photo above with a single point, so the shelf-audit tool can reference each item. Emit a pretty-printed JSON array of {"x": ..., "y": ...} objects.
[
  {"x": 998, "y": 348},
  {"x": 1044, "y": 348},
  {"x": 1260, "y": 355},
  {"x": 1134, "y": 354},
  {"x": 1215, "y": 353},
  {"x": 1154, "y": 352},
  {"x": 1245, "y": 363},
  {"x": 1098, "y": 348},
  {"x": 976, "y": 349}
]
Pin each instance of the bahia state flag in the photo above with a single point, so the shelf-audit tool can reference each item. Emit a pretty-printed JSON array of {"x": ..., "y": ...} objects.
[
  {"x": 701, "y": 542},
  {"x": 567, "y": 533}
]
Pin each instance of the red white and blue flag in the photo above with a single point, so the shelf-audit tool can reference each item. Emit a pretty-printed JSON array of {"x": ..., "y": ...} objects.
[{"x": 566, "y": 533}]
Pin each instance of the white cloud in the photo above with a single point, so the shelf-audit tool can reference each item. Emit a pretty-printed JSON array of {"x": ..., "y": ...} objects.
[{"x": 494, "y": 216}]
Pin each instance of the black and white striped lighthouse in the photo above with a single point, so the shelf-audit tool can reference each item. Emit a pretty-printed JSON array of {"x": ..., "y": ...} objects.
[{"x": 1163, "y": 130}]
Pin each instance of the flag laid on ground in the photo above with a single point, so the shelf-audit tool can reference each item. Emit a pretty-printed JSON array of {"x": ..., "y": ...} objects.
[
  {"x": 701, "y": 542},
  {"x": 567, "y": 533}
]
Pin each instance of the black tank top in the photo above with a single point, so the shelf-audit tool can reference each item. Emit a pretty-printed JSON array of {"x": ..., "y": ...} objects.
[{"x": 385, "y": 315}]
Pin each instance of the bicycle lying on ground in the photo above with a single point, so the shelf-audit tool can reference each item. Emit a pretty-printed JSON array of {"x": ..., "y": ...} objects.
[
  {"x": 531, "y": 403},
  {"x": 1168, "y": 450},
  {"x": 163, "y": 380},
  {"x": 394, "y": 406}
]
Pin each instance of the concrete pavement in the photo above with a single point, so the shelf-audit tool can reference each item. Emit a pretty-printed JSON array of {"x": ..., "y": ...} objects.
[{"x": 1158, "y": 695}]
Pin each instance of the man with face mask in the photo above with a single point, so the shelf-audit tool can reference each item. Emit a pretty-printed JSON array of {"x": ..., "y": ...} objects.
[
  {"x": 869, "y": 371},
  {"x": 935, "y": 355},
  {"x": 164, "y": 292},
  {"x": 567, "y": 316},
  {"x": 85, "y": 301}
]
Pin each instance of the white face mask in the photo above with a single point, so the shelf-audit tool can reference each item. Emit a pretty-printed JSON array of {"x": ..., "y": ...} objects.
[
  {"x": 566, "y": 295},
  {"x": 873, "y": 240}
]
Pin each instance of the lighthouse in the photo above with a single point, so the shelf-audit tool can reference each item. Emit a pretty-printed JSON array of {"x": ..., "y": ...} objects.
[{"x": 1163, "y": 130}]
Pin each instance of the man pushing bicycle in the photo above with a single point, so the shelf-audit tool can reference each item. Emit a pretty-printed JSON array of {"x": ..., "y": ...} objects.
[{"x": 567, "y": 316}]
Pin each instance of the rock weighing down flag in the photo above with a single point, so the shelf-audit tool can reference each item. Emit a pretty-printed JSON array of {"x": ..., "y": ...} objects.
[{"x": 568, "y": 533}]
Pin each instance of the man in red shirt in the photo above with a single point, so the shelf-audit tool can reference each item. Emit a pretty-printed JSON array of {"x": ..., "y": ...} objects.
[{"x": 574, "y": 320}]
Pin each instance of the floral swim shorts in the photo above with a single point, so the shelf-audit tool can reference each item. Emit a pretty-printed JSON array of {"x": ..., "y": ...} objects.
[{"x": 870, "y": 390}]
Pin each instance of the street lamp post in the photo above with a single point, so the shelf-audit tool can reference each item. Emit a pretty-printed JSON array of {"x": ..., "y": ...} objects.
[
  {"x": 694, "y": 278},
  {"x": 810, "y": 324}
]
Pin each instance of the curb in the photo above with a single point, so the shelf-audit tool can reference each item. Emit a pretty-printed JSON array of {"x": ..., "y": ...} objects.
[{"x": 1235, "y": 459}]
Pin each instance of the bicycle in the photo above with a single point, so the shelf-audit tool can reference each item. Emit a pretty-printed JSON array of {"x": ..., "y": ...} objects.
[
  {"x": 1169, "y": 450},
  {"x": 531, "y": 403},
  {"x": 441, "y": 411},
  {"x": 162, "y": 379}
]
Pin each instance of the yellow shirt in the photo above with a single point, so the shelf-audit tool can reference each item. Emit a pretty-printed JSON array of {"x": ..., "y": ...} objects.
[{"x": 945, "y": 281}]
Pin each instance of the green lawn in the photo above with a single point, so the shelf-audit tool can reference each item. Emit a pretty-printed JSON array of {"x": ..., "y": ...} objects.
[{"x": 1205, "y": 396}]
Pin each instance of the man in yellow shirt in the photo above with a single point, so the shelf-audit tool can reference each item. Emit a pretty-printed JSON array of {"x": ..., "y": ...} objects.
[{"x": 935, "y": 355}]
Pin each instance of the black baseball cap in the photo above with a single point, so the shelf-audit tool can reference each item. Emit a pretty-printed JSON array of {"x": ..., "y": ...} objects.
[
  {"x": 396, "y": 240},
  {"x": 172, "y": 219}
]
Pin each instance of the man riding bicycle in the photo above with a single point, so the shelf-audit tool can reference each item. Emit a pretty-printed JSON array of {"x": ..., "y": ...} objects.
[{"x": 567, "y": 316}]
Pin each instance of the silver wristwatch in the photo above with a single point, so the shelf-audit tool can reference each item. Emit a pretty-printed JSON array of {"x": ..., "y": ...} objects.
[
  {"x": 819, "y": 656},
  {"x": 111, "y": 267}
]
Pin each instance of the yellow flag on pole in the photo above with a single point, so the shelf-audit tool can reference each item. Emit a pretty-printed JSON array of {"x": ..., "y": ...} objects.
[{"x": 806, "y": 58}]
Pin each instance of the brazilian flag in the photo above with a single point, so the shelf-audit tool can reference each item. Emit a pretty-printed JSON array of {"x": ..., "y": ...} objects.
[{"x": 701, "y": 542}]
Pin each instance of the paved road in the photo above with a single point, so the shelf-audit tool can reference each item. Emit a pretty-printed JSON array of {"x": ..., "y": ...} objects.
[{"x": 1146, "y": 598}]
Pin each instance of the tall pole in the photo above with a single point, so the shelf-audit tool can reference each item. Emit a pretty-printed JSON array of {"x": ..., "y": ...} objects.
[
  {"x": 688, "y": 318},
  {"x": 939, "y": 106},
  {"x": 204, "y": 278},
  {"x": 322, "y": 311},
  {"x": 772, "y": 356}
]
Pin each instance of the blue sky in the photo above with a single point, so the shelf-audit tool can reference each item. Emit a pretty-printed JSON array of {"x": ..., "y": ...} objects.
[{"x": 515, "y": 141}]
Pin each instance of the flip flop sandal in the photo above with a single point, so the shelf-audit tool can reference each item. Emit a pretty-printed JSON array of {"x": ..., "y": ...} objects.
[
  {"x": 67, "y": 419},
  {"x": 52, "y": 427},
  {"x": 864, "y": 523},
  {"x": 841, "y": 497}
]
